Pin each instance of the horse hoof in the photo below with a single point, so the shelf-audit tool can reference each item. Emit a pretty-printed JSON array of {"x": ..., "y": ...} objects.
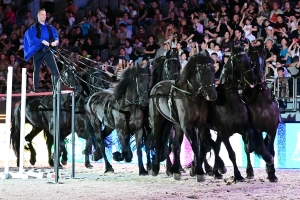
[
  {"x": 210, "y": 173},
  {"x": 169, "y": 173},
  {"x": 240, "y": 179},
  {"x": 273, "y": 179},
  {"x": 96, "y": 157},
  {"x": 200, "y": 178},
  {"x": 153, "y": 173},
  {"x": 181, "y": 170},
  {"x": 89, "y": 166},
  {"x": 222, "y": 170},
  {"x": 32, "y": 161},
  {"x": 192, "y": 173},
  {"x": 107, "y": 171},
  {"x": 176, "y": 176},
  {"x": 51, "y": 163},
  {"x": 250, "y": 176},
  {"x": 218, "y": 177},
  {"x": 117, "y": 156},
  {"x": 143, "y": 173},
  {"x": 64, "y": 162}
]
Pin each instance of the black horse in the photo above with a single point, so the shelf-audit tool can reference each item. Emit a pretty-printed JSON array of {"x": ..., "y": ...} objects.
[
  {"x": 229, "y": 115},
  {"x": 263, "y": 109},
  {"x": 91, "y": 81},
  {"x": 168, "y": 69},
  {"x": 122, "y": 110},
  {"x": 165, "y": 69},
  {"x": 185, "y": 103},
  {"x": 39, "y": 114}
]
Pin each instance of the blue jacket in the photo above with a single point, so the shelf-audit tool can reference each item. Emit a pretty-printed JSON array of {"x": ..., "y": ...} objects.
[{"x": 32, "y": 44}]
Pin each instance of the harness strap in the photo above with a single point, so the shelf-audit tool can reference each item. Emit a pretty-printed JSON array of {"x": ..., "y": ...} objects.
[{"x": 172, "y": 111}]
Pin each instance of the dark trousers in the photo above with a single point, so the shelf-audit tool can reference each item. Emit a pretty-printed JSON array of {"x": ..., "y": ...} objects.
[{"x": 38, "y": 58}]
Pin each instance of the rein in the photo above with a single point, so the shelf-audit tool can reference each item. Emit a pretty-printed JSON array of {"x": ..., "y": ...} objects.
[{"x": 137, "y": 100}]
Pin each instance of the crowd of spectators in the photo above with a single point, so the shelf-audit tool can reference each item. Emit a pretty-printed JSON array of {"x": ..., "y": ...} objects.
[{"x": 139, "y": 31}]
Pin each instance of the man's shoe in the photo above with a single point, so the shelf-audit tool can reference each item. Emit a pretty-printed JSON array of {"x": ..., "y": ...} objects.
[{"x": 34, "y": 91}]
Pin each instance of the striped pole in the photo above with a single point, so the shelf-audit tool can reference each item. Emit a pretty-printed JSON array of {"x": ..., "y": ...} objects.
[
  {"x": 22, "y": 120},
  {"x": 8, "y": 120}
]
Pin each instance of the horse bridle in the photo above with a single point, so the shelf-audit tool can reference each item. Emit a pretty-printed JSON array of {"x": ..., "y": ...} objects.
[
  {"x": 66, "y": 74},
  {"x": 243, "y": 75},
  {"x": 137, "y": 101},
  {"x": 169, "y": 77},
  {"x": 202, "y": 90},
  {"x": 255, "y": 65}
]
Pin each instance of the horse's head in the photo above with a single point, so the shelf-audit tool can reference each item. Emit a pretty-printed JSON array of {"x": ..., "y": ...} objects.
[
  {"x": 95, "y": 80},
  {"x": 238, "y": 70},
  {"x": 199, "y": 73},
  {"x": 171, "y": 69},
  {"x": 142, "y": 81},
  {"x": 134, "y": 86},
  {"x": 68, "y": 77},
  {"x": 165, "y": 69},
  {"x": 257, "y": 56}
]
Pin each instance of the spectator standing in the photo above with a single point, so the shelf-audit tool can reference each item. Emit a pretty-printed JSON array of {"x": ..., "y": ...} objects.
[{"x": 29, "y": 19}]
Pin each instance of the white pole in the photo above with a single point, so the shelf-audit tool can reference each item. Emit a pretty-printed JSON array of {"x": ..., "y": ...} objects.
[
  {"x": 22, "y": 120},
  {"x": 8, "y": 120}
]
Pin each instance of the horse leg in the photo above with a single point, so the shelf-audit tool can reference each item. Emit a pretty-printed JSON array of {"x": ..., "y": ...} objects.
[
  {"x": 104, "y": 134},
  {"x": 64, "y": 153},
  {"x": 167, "y": 140},
  {"x": 32, "y": 154},
  {"x": 262, "y": 150},
  {"x": 92, "y": 140},
  {"x": 179, "y": 134},
  {"x": 237, "y": 174},
  {"x": 49, "y": 142},
  {"x": 249, "y": 169},
  {"x": 198, "y": 147},
  {"x": 219, "y": 166},
  {"x": 86, "y": 152},
  {"x": 139, "y": 138},
  {"x": 148, "y": 143},
  {"x": 269, "y": 142},
  {"x": 249, "y": 144},
  {"x": 210, "y": 142},
  {"x": 124, "y": 139},
  {"x": 176, "y": 168},
  {"x": 158, "y": 124},
  {"x": 34, "y": 132}
]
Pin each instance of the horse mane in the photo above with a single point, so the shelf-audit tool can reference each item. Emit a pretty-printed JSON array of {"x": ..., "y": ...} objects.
[
  {"x": 157, "y": 73},
  {"x": 199, "y": 58},
  {"x": 127, "y": 78}
]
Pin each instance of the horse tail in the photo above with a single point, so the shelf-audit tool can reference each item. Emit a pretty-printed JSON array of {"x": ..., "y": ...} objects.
[{"x": 15, "y": 131}]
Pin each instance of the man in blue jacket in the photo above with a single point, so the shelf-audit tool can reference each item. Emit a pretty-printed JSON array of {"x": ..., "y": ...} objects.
[{"x": 37, "y": 40}]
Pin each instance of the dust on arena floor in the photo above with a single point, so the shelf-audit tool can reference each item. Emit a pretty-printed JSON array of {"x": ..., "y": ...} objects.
[{"x": 125, "y": 183}]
